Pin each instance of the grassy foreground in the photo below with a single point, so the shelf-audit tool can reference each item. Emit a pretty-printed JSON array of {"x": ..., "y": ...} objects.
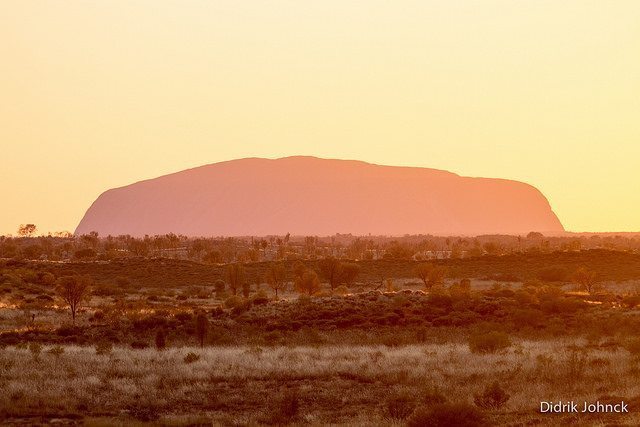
[{"x": 355, "y": 385}]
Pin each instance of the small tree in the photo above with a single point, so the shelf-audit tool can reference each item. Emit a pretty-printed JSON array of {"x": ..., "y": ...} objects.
[
  {"x": 535, "y": 235},
  {"x": 422, "y": 272},
  {"x": 350, "y": 272},
  {"x": 586, "y": 279},
  {"x": 219, "y": 287},
  {"x": 27, "y": 230},
  {"x": 246, "y": 289},
  {"x": 331, "y": 270},
  {"x": 436, "y": 276},
  {"x": 235, "y": 273},
  {"x": 298, "y": 269},
  {"x": 276, "y": 276},
  {"x": 73, "y": 290},
  {"x": 202, "y": 325},
  {"x": 431, "y": 275},
  {"x": 308, "y": 283}
]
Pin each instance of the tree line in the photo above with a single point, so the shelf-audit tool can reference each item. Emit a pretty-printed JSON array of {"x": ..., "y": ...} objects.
[{"x": 223, "y": 250}]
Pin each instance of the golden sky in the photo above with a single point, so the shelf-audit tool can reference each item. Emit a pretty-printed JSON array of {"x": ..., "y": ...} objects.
[{"x": 95, "y": 95}]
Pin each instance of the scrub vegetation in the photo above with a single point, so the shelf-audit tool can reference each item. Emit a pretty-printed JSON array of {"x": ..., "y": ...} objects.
[{"x": 471, "y": 340}]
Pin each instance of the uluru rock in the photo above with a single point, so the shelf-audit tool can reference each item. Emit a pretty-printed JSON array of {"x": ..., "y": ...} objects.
[{"x": 312, "y": 196}]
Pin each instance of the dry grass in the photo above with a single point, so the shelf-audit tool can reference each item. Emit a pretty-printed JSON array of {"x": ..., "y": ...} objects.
[{"x": 341, "y": 384}]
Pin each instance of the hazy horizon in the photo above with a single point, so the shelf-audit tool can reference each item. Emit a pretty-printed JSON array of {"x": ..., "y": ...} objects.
[{"x": 101, "y": 95}]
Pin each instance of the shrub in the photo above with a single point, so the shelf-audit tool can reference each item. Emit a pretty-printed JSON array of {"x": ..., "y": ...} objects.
[
  {"x": 311, "y": 336},
  {"x": 161, "y": 339},
  {"x": 56, "y": 351},
  {"x": 543, "y": 363},
  {"x": 447, "y": 415},
  {"x": 553, "y": 274},
  {"x": 260, "y": 298},
  {"x": 287, "y": 408},
  {"x": 304, "y": 300},
  {"x": 104, "y": 348},
  {"x": 342, "y": 290},
  {"x": 144, "y": 411},
  {"x": 633, "y": 347},
  {"x": 139, "y": 345},
  {"x": 400, "y": 405},
  {"x": 219, "y": 335},
  {"x": 233, "y": 302},
  {"x": 246, "y": 289},
  {"x": 122, "y": 281},
  {"x": 68, "y": 331},
  {"x": 273, "y": 338},
  {"x": 35, "y": 349},
  {"x": 97, "y": 316},
  {"x": 149, "y": 322},
  {"x": 191, "y": 357},
  {"x": 184, "y": 317},
  {"x": 489, "y": 342},
  {"x": 433, "y": 397},
  {"x": 421, "y": 334},
  {"x": 47, "y": 278},
  {"x": 202, "y": 326},
  {"x": 389, "y": 286},
  {"x": 392, "y": 340},
  {"x": 219, "y": 286},
  {"x": 527, "y": 317},
  {"x": 493, "y": 397},
  {"x": 575, "y": 364},
  {"x": 599, "y": 362},
  {"x": 631, "y": 301},
  {"x": 84, "y": 253}
]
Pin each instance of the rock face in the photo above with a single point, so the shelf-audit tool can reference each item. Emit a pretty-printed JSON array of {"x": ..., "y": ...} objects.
[{"x": 312, "y": 196}]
